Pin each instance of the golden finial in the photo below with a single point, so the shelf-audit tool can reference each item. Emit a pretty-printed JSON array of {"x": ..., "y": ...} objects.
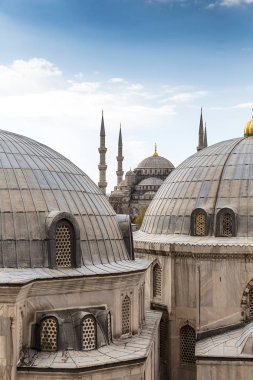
[
  {"x": 155, "y": 152},
  {"x": 248, "y": 129}
]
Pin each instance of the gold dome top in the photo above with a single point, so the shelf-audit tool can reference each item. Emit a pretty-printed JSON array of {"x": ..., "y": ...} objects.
[{"x": 248, "y": 129}]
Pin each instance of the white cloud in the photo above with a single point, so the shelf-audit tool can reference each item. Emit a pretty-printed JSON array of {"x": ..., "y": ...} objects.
[
  {"x": 84, "y": 86},
  {"x": 183, "y": 97},
  {"x": 135, "y": 87},
  {"x": 34, "y": 75},
  {"x": 229, "y": 3},
  {"x": 117, "y": 80}
]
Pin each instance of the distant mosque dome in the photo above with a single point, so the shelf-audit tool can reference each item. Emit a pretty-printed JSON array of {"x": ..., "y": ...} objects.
[{"x": 155, "y": 162}]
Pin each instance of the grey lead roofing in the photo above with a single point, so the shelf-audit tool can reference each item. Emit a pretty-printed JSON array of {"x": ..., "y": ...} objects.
[
  {"x": 35, "y": 180},
  {"x": 214, "y": 178},
  {"x": 155, "y": 162}
]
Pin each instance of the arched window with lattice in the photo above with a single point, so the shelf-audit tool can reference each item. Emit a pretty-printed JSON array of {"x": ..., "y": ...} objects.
[
  {"x": 187, "y": 344},
  {"x": 225, "y": 223},
  {"x": 89, "y": 333},
  {"x": 126, "y": 315},
  {"x": 157, "y": 280},
  {"x": 49, "y": 334},
  {"x": 250, "y": 303},
  {"x": 64, "y": 244},
  {"x": 199, "y": 222}
]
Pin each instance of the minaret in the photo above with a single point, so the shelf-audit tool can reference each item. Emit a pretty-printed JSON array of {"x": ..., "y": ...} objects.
[
  {"x": 120, "y": 159},
  {"x": 201, "y": 133},
  {"x": 205, "y": 138},
  {"x": 102, "y": 184}
]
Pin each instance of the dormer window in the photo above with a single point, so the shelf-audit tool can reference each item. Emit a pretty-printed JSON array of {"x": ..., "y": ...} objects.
[
  {"x": 199, "y": 222},
  {"x": 64, "y": 244},
  {"x": 226, "y": 223}
]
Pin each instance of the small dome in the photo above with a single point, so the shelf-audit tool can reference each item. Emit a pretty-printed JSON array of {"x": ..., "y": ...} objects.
[
  {"x": 248, "y": 129},
  {"x": 155, "y": 162},
  {"x": 152, "y": 181},
  {"x": 37, "y": 182},
  {"x": 130, "y": 173}
]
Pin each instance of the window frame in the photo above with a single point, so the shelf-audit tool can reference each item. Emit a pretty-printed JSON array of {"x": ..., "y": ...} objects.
[
  {"x": 57, "y": 332},
  {"x": 126, "y": 334},
  {"x": 219, "y": 215},
  {"x": 90, "y": 316},
  {"x": 156, "y": 264},
  {"x": 193, "y": 220},
  {"x": 184, "y": 362}
]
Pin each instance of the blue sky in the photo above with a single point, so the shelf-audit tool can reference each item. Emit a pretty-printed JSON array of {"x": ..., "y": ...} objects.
[{"x": 150, "y": 64}]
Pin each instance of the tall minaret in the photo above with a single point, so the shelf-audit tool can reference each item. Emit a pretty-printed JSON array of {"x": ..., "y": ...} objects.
[
  {"x": 201, "y": 133},
  {"x": 205, "y": 138},
  {"x": 120, "y": 159},
  {"x": 102, "y": 184}
]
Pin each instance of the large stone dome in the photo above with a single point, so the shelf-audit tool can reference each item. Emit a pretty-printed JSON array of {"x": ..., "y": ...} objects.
[
  {"x": 215, "y": 178},
  {"x": 36, "y": 183},
  {"x": 155, "y": 162}
]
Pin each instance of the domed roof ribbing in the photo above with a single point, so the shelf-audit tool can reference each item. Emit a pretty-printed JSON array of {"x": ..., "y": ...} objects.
[
  {"x": 155, "y": 162},
  {"x": 216, "y": 177},
  {"x": 34, "y": 181}
]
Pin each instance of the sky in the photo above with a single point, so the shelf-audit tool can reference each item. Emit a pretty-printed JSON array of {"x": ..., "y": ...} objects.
[{"x": 149, "y": 64}]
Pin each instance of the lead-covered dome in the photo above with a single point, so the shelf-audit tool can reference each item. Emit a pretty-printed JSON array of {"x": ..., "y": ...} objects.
[
  {"x": 37, "y": 185},
  {"x": 216, "y": 178},
  {"x": 155, "y": 162}
]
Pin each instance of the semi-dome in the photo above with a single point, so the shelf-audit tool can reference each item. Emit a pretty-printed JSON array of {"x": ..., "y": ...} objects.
[
  {"x": 155, "y": 162},
  {"x": 216, "y": 178},
  {"x": 152, "y": 181},
  {"x": 39, "y": 186}
]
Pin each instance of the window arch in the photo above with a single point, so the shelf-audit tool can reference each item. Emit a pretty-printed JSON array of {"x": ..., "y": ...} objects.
[
  {"x": 199, "y": 222},
  {"x": 64, "y": 244},
  {"x": 157, "y": 281},
  {"x": 225, "y": 223},
  {"x": 250, "y": 304},
  {"x": 89, "y": 333},
  {"x": 126, "y": 315},
  {"x": 49, "y": 334},
  {"x": 187, "y": 344}
]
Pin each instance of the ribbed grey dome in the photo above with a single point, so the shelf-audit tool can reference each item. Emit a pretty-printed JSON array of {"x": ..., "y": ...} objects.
[
  {"x": 34, "y": 181},
  {"x": 217, "y": 177},
  {"x": 155, "y": 162}
]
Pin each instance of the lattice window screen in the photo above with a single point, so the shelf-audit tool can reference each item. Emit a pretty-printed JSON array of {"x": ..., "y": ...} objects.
[
  {"x": 157, "y": 281},
  {"x": 63, "y": 246},
  {"x": 187, "y": 344},
  {"x": 200, "y": 224},
  {"x": 89, "y": 334},
  {"x": 163, "y": 339},
  {"x": 226, "y": 225},
  {"x": 109, "y": 327},
  {"x": 251, "y": 303},
  {"x": 126, "y": 315},
  {"x": 48, "y": 335}
]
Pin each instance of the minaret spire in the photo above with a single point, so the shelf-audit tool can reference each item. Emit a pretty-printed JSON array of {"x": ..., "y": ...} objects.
[
  {"x": 205, "y": 138},
  {"x": 201, "y": 133},
  {"x": 120, "y": 159},
  {"x": 102, "y": 184}
]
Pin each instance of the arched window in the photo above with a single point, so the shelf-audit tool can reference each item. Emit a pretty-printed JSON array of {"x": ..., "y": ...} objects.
[
  {"x": 89, "y": 333},
  {"x": 250, "y": 303},
  {"x": 225, "y": 223},
  {"x": 157, "y": 280},
  {"x": 187, "y": 344},
  {"x": 199, "y": 222},
  {"x": 126, "y": 315},
  {"x": 48, "y": 334},
  {"x": 64, "y": 244}
]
